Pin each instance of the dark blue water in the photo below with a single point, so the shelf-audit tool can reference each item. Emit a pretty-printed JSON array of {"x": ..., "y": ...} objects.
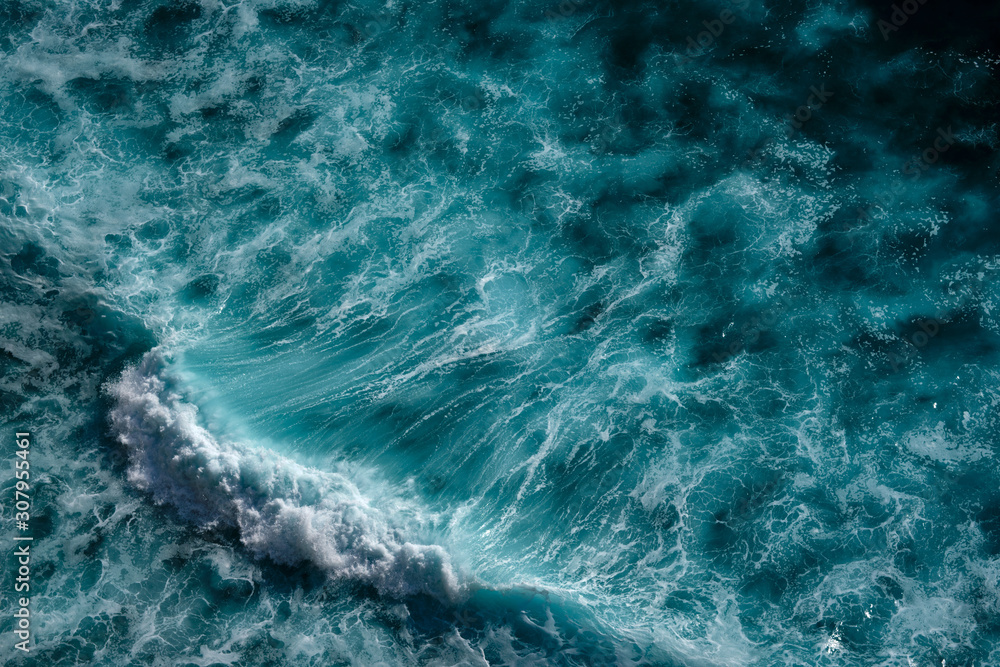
[{"x": 528, "y": 333}]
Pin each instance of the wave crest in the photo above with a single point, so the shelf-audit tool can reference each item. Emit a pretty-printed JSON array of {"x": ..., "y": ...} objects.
[{"x": 283, "y": 510}]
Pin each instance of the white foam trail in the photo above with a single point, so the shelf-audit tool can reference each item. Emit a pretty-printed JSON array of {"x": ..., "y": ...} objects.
[{"x": 283, "y": 510}]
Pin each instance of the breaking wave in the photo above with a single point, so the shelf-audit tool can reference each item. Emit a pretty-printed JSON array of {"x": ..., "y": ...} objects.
[{"x": 283, "y": 510}]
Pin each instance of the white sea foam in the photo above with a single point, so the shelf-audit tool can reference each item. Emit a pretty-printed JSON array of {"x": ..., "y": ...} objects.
[{"x": 283, "y": 510}]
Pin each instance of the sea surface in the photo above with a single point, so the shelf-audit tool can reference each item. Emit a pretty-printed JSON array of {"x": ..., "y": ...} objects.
[{"x": 502, "y": 333}]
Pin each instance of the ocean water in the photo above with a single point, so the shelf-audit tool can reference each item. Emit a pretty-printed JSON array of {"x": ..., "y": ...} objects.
[{"x": 502, "y": 333}]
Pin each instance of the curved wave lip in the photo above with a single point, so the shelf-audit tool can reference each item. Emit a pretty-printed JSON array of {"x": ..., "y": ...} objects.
[{"x": 283, "y": 510}]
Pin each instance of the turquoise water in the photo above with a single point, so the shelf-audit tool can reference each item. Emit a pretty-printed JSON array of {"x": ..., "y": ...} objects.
[{"x": 502, "y": 333}]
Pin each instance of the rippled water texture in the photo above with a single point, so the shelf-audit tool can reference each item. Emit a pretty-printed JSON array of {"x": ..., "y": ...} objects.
[{"x": 507, "y": 333}]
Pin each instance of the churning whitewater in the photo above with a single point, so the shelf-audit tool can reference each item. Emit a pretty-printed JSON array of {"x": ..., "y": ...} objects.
[
  {"x": 283, "y": 510},
  {"x": 527, "y": 332}
]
